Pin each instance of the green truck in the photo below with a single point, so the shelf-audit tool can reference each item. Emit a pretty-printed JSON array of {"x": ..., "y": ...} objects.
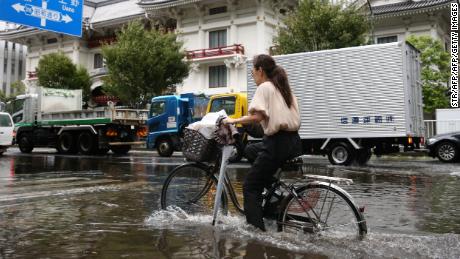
[{"x": 47, "y": 117}]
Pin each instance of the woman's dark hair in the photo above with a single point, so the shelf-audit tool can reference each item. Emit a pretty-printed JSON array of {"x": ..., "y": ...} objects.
[{"x": 275, "y": 74}]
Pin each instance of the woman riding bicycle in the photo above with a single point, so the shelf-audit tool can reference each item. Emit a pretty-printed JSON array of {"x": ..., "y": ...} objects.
[{"x": 275, "y": 108}]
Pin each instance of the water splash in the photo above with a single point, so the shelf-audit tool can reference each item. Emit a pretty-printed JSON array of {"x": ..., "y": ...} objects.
[
  {"x": 375, "y": 245},
  {"x": 455, "y": 174}
]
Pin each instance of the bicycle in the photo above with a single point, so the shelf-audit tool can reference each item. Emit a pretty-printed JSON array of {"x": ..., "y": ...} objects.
[{"x": 318, "y": 206}]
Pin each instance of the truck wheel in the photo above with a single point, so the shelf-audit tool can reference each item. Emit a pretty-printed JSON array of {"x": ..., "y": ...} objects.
[
  {"x": 86, "y": 143},
  {"x": 66, "y": 144},
  {"x": 447, "y": 152},
  {"x": 341, "y": 154},
  {"x": 165, "y": 147},
  {"x": 120, "y": 150},
  {"x": 25, "y": 144},
  {"x": 363, "y": 156}
]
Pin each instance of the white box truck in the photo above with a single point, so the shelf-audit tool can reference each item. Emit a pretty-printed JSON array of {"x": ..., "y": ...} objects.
[
  {"x": 54, "y": 118},
  {"x": 356, "y": 100}
]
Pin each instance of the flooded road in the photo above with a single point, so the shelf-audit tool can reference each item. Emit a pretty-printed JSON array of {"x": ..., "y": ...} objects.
[{"x": 54, "y": 206}]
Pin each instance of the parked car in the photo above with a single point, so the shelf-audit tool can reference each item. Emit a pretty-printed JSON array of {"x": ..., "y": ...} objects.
[
  {"x": 446, "y": 146},
  {"x": 6, "y": 131}
]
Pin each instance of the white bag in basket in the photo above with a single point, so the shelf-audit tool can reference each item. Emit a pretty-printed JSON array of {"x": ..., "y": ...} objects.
[{"x": 207, "y": 125}]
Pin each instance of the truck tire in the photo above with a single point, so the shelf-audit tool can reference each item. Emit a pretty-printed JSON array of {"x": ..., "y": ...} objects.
[
  {"x": 67, "y": 144},
  {"x": 341, "y": 153},
  {"x": 363, "y": 156},
  {"x": 120, "y": 150},
  {"x": 87, "y": 143},
  {"x": 165, "y": 147},
  {"x": 25, "y": 143},
  {"x": 447, "y": 152}
]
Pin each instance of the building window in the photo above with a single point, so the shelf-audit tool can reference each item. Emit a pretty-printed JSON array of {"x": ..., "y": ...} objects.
[
  {"x": 217, "y": 39},
  {"x": 98, "y": 61},
  {"x": 20, "y": 67},
  {"x": 4, "y": 87},
  {"x": 5, "y": 65},
  {"x": 13, "y": 67},
  {"x": 387, "y": 39},
  {"x": 217, "y": 76},
  {"x": 51, "y": 41},
  {"x": 217, "y": 10}
]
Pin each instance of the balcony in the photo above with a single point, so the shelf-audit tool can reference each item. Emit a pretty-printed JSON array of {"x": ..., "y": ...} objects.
[
  {"x": 31, "y": 75},
  {"x": 99, "y": 41},
  {"x": 98, "y": 72},
  {"x": 215, "y": 52}
]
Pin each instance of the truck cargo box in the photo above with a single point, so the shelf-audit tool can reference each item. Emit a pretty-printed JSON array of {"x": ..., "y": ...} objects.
[{"x": 359, "y": 92}]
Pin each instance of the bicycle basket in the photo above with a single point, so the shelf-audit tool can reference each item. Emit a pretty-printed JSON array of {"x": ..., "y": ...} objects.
[{"x": 196, "y": 147}]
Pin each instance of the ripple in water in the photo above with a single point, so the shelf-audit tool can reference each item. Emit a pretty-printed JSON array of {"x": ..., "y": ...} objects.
[{"x": 375, "y": 245}]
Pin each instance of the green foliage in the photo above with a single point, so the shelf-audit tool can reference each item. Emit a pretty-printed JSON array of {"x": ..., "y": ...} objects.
[
  {"x": 3, "y": 97},
  {"x": 16, "y": 89},
  {"x": 435, "y": 72},
  {"x": 56, "y": 70},
  {"x": 319, "y": 24},
  {"x": 143, "y": 63}
]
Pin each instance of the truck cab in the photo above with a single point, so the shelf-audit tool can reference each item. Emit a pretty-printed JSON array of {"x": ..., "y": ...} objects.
[
  {"x": 168, "y": 115},
  {"x": 236, "y": 106},
  {"x": 6, "y": 131}
]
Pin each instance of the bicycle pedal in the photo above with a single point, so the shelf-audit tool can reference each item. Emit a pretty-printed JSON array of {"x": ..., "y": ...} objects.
[{"x": 361, "y": 209}]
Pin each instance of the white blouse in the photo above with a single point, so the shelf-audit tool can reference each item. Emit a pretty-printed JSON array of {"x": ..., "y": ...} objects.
[{"x": 277, "y": 115}]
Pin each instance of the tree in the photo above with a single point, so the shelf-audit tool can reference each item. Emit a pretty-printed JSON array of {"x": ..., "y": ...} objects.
[
  {"x": 56, "y": 70},
  {"x": 319, "y": 24},
  {"x": 143, "y": 63},
  {"x": 3, "y": 97},
  {"x": 17, "y": 88},
  {"x": 435, "y": 70}
]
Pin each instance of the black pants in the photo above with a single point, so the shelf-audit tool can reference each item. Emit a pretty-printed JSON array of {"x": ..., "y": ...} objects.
[{"x": 267, "y": 156}]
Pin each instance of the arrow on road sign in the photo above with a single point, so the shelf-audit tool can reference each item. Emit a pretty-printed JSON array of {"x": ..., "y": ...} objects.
[
  {"x": 18, "y": 7},
  {"x": 66, "y": 18}
]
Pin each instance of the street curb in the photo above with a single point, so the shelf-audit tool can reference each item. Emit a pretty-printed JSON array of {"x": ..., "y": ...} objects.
[{"x": 400, "y": 154}]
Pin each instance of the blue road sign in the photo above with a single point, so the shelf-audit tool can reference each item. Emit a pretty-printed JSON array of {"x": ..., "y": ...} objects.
[{"x": 62, "y": 16}]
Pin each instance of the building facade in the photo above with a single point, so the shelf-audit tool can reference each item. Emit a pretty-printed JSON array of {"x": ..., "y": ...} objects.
[
  {"x": 12, "y": 62},
  {"x": 101, "y": 19},
  {"x": 395, "y": 20},
  {"x": 219, "y": 36}
]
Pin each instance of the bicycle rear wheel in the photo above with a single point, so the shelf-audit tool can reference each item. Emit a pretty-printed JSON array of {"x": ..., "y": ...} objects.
[
  {"x": 324, "y": 209},
  {"x": 192, "y": 188}
]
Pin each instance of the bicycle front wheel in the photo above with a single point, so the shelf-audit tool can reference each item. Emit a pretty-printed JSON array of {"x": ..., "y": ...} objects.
[
  {"x": 324, "y": 209},
  {"x": 192, "y": 188}
]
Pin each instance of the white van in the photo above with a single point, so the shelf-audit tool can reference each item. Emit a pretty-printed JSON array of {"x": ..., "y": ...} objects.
[{"x": 6, "y": 131}]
